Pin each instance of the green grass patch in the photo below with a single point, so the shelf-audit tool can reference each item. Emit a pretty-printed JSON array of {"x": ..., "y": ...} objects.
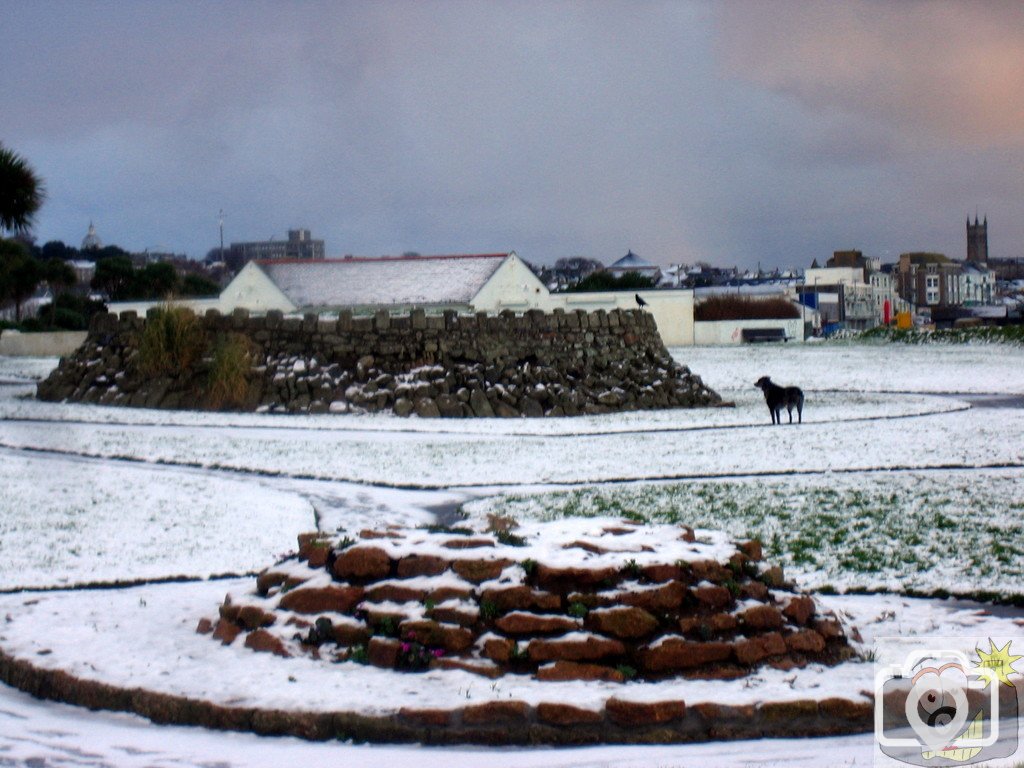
[{"x": 913, "y": 532}]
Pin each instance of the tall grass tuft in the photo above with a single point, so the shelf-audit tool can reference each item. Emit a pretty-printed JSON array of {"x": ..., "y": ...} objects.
[
  {"x": 733, "y": 307},
  {"x": 172, "y": 341},
  {"x": 228, "y": 384}
]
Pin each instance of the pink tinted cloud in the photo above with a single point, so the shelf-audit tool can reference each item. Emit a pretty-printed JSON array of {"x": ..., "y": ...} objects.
[{"x": 936, "y": 72}]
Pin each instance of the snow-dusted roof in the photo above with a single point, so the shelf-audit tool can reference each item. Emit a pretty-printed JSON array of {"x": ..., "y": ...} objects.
[
  {"x": 405, "y": 280},
  {"x": 633, "y": 263}
]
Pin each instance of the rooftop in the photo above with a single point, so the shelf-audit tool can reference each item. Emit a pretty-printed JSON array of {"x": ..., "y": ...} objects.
[{"x": 400, "y": 280}]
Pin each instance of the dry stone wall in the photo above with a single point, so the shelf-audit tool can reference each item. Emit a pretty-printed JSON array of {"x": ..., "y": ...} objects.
[
  {"x": 450, "y": 365},
  {"x": 584, "y": 599}
]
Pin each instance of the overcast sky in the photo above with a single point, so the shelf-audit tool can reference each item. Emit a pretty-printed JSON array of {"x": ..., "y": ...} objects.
[{"x": 734, "y": 133}]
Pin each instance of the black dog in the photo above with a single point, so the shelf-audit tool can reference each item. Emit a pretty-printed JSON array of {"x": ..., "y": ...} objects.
[{"x": 781, "y": 397}]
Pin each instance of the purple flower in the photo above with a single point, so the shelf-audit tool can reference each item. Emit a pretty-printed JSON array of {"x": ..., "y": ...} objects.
[
  {"x": 405, "y": 647},
  {"x": 438, "y": 652}
]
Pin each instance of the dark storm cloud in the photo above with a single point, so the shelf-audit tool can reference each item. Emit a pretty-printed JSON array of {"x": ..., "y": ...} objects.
[{"x": 682, "y": 131}]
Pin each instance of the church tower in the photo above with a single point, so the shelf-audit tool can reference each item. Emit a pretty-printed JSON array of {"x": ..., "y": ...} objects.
[{"x": 977, "y": 240}]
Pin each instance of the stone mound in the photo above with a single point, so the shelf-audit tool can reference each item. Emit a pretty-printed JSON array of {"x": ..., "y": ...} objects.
[
  {"x": 575, "y": 599},
  {"x": 451, "y": 365}
]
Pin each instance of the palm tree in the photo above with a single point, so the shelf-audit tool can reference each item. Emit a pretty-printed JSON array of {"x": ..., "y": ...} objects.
[{"x": 21, "y": 192}]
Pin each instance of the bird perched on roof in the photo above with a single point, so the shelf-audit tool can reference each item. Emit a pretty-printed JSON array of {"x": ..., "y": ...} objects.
[{"x": 640, "y": 300}]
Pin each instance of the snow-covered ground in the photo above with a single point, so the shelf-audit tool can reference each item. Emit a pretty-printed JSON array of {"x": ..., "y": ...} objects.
[
  {"x": 853, "y": 367},
  {"x": 206, "y": 510},
  {"x": 71, "y": 521}
]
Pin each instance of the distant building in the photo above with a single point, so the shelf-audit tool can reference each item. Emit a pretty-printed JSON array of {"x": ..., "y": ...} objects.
[
  {"x": 91, "y": 241},
  {"x": 975, "y": 285},
  {"x": 633, "y": 263},
  {"x": 84, "y": 271},
  {"x": 977, "y": 240},
  {"x": 928, "y": 279},
  {"x": 299, "y": 245}
]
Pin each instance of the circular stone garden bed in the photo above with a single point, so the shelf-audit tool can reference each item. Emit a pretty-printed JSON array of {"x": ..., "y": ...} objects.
[
  {"x": 568, "y": 632},
  {"x": 571, "y": 600}
]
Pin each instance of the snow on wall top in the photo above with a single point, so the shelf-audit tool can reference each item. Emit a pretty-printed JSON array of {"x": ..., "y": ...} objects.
[{"x": 350, "y": 282}]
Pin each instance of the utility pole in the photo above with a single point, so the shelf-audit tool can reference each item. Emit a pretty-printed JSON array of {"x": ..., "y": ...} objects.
[{"x": 221, "y": 235}]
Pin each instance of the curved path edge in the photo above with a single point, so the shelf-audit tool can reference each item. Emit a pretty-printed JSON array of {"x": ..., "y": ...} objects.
[{"x": 492, "y": 723}]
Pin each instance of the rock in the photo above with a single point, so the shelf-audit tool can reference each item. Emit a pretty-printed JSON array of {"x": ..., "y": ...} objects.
[
  {"x": 531, "y": 408},
  {"x": 805, "y": 641},
  {"x": 253, "y": 617},
  {"x": 549, "y": 577},
  {"x": 449, "y": 406},
  {"x": 587, "y": 648},
  {"x": 346, "y": 633},
  {"x": 498, "y": 649},
  {"x": 362, "y": 562},
  {"x": 843, "y": 709},
  {"x": 752, "y": 549},
  {"x": 709, "y": 570},
  {"x": 480, "y": 570},
  {"x": 505, "y": 411},
  {"x": 799, "y": 609},
  {"x": 463, "y": 616},
  {"x": 773, "y": 576},
  {"x": 421, "y": 565},
  {"x": 519, "y": 623},
  {"x": 761, "y": 617},
  {"x": 395, "y": 592},
  {"x": 567, "y": 715},
  {"x": 403, "y": 407},
  {"x": 674, "y": 654},
  {"x": 451, "y": 637},
  {"x": 788, "y": 711},
  {"x": 426, "y": 408},
  {"x": 753, "y": 590},
  {"x": 204, "y": 627},
  {"x": 830, "y": 629},
  {"x": 667, "y": 597},
  {"x": 447, "y": 592},
  {"x": 467, "y": 542},
  {"x": 496, "y": 712},
  {"x": 572, "y": 670},
  {"x": 757, "y": 648},
  {"x": 314, "y": 548},
  {"x": 383, "y": 652},
  {"x": 520, "y": 598},
  {"x": 714, "y": 597},
  {"x": 331, "y": 599},
  {"x": 478, "y": 402},
  {"x": 264, "y": 642},
  {"x": 431, "y": 718},
  {"x": 627, "y": 623},
  {"x": 660, "y": 573},
  {"x": 716, "y": 622},
  {"x": 631, "y": 714},
  {"x": 226, "y": 631}
]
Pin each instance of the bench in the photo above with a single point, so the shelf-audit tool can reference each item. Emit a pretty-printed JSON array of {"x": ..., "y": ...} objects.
[{"x": 758, "y": 335}]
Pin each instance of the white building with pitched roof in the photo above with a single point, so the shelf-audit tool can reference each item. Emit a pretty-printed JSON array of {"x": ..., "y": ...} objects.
[
  {"x": 469, "y": 283},
  {"x": 486, "y": 282},
  {"x": 474, "y": 283}
]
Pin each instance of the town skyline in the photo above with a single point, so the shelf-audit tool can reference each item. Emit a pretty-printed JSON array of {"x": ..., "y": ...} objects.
[{"x": 737, "y": 135}]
